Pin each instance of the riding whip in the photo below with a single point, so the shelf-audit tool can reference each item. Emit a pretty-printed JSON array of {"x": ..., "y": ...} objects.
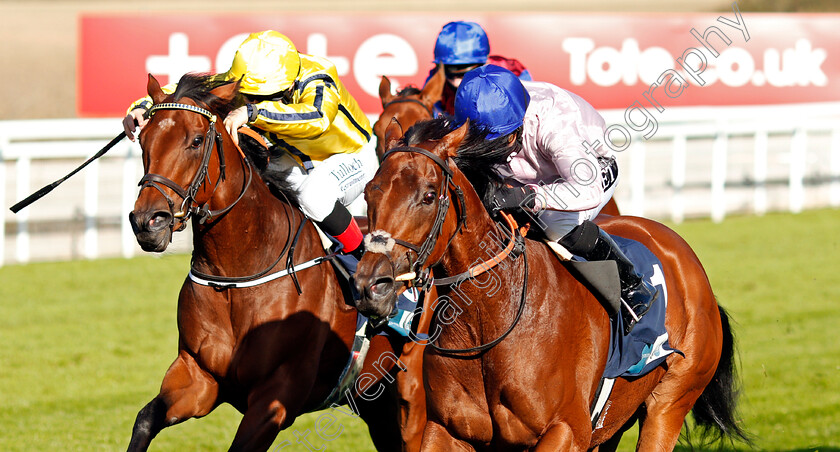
[{"x": 43, "y": 191}]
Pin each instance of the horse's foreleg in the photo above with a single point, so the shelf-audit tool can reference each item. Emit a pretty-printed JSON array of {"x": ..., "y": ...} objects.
[
  {"x": 260, "y": 425},
  {"x": 437, "y": 438},
  {"x": 186, "y": 391},
  {"x": 382, "y": 416},
  {"x": 412, "y": 398},
  {"x": 562, "y": 437},
  {"x": 150, "y": 420},
  {"x": 273, "y": 406}
]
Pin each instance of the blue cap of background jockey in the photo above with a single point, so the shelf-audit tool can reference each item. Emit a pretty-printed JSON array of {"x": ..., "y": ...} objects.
[
  {"x": 493, "y": 98},
  {"x": 462, "y": 43}
]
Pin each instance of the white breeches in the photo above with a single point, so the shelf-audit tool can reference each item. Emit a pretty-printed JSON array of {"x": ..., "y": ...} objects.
[{"x": 340, "y": 177}]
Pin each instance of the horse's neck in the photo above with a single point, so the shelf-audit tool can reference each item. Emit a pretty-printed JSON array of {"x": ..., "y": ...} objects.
[
  {"x": 251, "y": 235},
  {"x": 485, "y": 303},
  {"x": 479, "y": 240}
]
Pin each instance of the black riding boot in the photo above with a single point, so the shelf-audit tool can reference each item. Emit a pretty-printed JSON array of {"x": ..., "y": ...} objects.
[{"x": 589, "y": 241}]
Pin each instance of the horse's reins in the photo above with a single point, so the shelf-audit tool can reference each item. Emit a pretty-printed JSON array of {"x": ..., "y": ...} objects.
[
  {"x": 203, "y": 213},
  {"x": 494, "y": 342},
  {"x": 187, "y": 209},
  {"x": 420, "y": 278}
]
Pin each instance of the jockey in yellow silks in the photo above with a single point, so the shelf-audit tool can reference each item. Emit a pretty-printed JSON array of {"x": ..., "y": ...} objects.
[{"x": 298, "y": 104}]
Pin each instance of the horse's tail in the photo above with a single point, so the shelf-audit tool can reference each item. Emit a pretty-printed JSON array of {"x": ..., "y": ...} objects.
[{"x": 715, "y": 410}]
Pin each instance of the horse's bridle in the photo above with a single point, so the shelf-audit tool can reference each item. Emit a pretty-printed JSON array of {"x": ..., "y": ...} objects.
[
  {"x": 189, "y": 206},
  {"x": 421, "y": 276},
  {"x": 409, "y": 100},
  {"x": 423, "y": 251}
]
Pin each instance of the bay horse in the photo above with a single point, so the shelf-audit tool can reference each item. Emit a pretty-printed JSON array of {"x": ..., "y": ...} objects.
[
  {"x": 519, "y": 368},
  {"x": 273, "y": 347}
]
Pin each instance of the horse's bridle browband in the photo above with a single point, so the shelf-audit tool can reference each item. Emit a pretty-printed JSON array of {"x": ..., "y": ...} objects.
[
  {"x": 178, "y": 106},
  {"x": 409, "y": 100},
  {"x": 211, "y": 138},
  {"x": 425, "y": 249}
]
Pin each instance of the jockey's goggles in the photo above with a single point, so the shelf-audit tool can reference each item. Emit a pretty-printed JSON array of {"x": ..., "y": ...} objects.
[{"x": 454, "y": 71}]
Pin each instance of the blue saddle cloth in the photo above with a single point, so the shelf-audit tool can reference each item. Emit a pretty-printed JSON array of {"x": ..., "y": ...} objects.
[{"x": 646, "y": 347}]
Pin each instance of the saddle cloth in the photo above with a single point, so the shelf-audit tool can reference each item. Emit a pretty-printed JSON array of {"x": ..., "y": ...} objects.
[{"x": 646, "y": 346}]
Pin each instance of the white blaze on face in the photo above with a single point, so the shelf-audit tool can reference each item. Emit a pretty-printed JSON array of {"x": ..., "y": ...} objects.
[
  {"x": 379, "y": 241},
  {"x": 165, "y": 124}
]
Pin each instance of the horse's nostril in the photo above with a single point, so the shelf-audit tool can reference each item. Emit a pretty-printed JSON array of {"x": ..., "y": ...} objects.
[
  {"x": 382, "y": 286},
  {"x": 159, "y": 220}
]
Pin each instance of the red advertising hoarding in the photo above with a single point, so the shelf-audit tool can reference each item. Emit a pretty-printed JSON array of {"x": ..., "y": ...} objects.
[{"x": 612, "y": 60}]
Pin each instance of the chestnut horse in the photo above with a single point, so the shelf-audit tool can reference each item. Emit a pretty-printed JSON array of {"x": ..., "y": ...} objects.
[
  {"x": 519, "y": 369},
  {"x": 409, "y": 106},
  {"x": 273, "y": 347}
]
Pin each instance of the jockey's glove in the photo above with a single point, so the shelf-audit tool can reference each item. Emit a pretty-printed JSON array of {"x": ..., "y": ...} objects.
[{"x": 515, "y": 198}]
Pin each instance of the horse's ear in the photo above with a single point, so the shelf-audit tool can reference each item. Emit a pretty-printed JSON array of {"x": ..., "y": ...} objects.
[
  {"x": 385, "y": 90},
  {"x": 433, "y": 90},
  {"x": 226, "y": 92},
  {"x": 448, "y": 145},
  {"x": 154, "y": 91},
  {"x": 393, "y": 134}
]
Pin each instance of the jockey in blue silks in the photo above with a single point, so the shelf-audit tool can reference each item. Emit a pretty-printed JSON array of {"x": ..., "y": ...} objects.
[
  {"x": 460, "y": 47},
  {"x": 557, "y": 171}
]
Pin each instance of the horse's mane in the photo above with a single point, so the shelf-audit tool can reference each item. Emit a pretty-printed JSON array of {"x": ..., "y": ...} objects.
[
  {"x": 477, "y": 157},
  {"x": 409, "y": 90},
  {"x": 277, "y": 180},
  {"x": 197, "y": 87}
]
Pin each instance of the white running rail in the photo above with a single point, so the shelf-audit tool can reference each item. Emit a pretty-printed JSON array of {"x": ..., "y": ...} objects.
[{"x": 701, "y": 162}]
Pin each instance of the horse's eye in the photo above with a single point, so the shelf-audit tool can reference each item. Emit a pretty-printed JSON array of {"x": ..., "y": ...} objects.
[
  {"x": 196, "y": 142},
  {"x": 429, "y": 197}
]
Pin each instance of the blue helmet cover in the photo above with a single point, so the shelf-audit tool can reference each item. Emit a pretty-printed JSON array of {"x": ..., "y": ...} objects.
[
  {"x": 462, "y": 42},
  {"x": 493, "y": 98}
]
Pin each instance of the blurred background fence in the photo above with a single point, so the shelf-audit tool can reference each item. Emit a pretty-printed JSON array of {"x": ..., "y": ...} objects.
[
  {"x": 760, "y": 132},
  {"x": 701, "y": 162}
]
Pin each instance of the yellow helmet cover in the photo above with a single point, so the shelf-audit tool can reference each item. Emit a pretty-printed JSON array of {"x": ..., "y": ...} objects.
[{"x": 267, "y": 62}]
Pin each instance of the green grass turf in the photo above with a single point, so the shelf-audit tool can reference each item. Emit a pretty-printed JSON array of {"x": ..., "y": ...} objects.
[
  {"x": 84, "y": 345},
  {"x": 778, "y": 277}
]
